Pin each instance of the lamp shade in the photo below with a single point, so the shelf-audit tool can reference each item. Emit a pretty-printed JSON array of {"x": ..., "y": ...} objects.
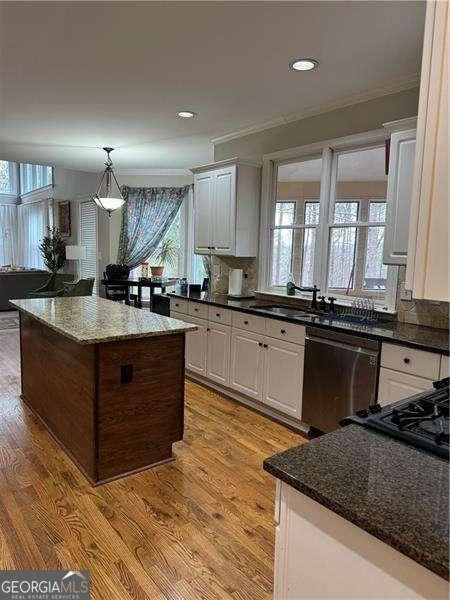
[{"x": 75, "y": 252}]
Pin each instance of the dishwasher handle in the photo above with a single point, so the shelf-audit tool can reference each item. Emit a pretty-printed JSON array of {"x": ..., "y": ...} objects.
[{"x": 328, "y": 342}]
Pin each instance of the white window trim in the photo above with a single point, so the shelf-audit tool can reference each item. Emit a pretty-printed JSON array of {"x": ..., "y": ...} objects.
[{"x": 324, "y": 150}]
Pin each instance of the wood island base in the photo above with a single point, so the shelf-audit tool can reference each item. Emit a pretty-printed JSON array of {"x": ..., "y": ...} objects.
[{"x": 115, "y": 407}]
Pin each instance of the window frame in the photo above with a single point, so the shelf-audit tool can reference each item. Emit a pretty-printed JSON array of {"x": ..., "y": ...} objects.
[{"x": 329, "y": 151}]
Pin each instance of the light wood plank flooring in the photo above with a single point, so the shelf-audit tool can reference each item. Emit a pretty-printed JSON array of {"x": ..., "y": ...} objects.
[{"x": 199, "y": 527}]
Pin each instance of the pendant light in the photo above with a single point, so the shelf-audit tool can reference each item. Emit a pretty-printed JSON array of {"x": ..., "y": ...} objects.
[{"x": 108, "y": 196}]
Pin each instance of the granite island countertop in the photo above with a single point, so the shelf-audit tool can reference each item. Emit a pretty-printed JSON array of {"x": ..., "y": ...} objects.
[
  {"x": 430, "y": 339},
  {"x": 395, "y": 492},
  {"x": 92, "y": 320}
]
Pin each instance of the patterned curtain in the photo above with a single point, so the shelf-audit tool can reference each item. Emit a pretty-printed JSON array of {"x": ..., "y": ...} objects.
[{"x": 147, "y": 215}]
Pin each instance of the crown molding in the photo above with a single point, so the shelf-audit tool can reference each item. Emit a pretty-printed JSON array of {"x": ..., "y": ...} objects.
[
  {"x": 156, "y": 172},
  {"x": 227, "y": 161},
  {"x": 401, "y": 85},
  {"x": 401, "y": 125}
]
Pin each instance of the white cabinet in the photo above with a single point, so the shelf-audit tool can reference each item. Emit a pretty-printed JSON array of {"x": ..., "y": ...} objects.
[
  {"x": 202, "y": 213},
  {"x": 321, "y": 555},
  {"x": 268, "y": 370},
  {"x": 427, "y": 272},
  {"x": 196, "y": 343},
  {"x": 226, "y": 208},
  {"x": 394, "y": 385},
  {"x": 218, "y": 353},
  {"x": 410, "y": 360},
  {"x": 247, "y": 363},
  {"x": 399, "y": 189},
  {"x": 223, "y": 211},
  {"x": 283, "y": 376}
]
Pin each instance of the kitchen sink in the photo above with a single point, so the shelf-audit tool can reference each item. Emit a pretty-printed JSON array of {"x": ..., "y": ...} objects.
[{"x": 285, "y": 311}]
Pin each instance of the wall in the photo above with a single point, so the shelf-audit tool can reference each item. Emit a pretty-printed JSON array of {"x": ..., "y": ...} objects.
[
  {"x": 141, "y": 180},
  {"x": 349, "y": 120},
  {"x": 77, "y": 186}
]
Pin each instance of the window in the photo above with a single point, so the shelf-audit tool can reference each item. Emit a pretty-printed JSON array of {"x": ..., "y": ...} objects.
[
  {"x": 328, "y": 221},
  {"x": 181, "y": 233},
  {"x": 34, "y": 177},
  {"x": 33, "y": 220},
  {"x": 7, "y": 177},
  {"x": 296, "y": 218}
]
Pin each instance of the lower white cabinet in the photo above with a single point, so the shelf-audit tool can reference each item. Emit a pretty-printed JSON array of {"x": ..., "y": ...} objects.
[
  {"x": 321, "y": 555},
  {"x": 218, "y": 353},
  {"x": 283, "y": 376},
  {"x": 247, "y": 363},
  {"x": 196, "y": 344},
  {"x": 268, "y": 370},
  {"x": 393, "y": 386}
]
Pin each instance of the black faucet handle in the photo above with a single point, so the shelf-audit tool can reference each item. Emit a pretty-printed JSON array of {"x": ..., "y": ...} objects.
[{"x": 331, "y": 300}]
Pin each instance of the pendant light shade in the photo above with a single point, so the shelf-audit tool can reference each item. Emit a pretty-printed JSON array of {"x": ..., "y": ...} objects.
[{"x": 108, "y": 196}]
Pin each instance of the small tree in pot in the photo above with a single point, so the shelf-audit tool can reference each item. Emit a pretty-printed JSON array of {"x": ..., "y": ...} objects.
[
  {"x": 165, "y": 255},
  {"x": 53, "y": 251}
]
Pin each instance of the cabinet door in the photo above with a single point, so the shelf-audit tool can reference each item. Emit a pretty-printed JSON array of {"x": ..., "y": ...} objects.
[
  {"x": 246, "y": 363},
  {"x": 203, "y": 197},
  {"x": 223, "y": 214},
  {"x": 196, "y": 346},
  {"x": 399, "y": 190},
  {"x": 393, "y": 386},
  {"x": 283, "y": 376},
  {"x": 218, "y": 353},
  {"x": 427, "y": 269}
]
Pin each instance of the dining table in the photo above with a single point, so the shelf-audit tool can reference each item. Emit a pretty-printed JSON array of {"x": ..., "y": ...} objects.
[{"x": 142, "y": 282}]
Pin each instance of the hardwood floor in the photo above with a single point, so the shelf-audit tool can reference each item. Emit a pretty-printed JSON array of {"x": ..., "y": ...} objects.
[{"x": 198, "y": 527}]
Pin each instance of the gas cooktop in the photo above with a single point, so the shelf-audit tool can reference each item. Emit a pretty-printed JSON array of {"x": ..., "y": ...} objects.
[{"x": 422, "y": 420}]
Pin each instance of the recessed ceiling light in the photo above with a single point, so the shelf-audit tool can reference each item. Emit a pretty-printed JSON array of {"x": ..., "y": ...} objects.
[
  {"x": 304, "y": 64},
  {"x": 187, "y": 114}
]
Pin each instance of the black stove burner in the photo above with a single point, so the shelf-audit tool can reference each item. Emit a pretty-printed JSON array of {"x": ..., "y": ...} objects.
[{"x": 422, "y": 420}]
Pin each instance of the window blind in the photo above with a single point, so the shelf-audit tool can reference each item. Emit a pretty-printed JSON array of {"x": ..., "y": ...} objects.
[{"x": 88, "y": 238}]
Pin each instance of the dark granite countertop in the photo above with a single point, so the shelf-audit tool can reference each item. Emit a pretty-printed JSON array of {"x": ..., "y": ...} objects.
[
  {"x": 405, "y": 334},
  {"x": 392, "y": 490}
]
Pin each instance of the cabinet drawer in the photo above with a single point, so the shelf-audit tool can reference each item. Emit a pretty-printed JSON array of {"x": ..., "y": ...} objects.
[
  {"x": 197, "y": 309},
  {"x": 285, "y": 331},
  {"x": 219, "y": 315},
  {"x": 410, "y": 360},
  {"x": 249, "y": 322},
  {"x": 179, "y": 305}
]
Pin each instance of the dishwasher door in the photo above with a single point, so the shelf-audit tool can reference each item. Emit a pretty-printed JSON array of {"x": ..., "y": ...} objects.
[{"x": 340, "y": 377}]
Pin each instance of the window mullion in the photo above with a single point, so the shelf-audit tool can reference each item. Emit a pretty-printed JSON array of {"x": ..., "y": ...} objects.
[{"x": 327, "y": 189}]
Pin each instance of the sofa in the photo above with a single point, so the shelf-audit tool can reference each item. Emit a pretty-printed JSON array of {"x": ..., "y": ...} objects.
[{"x": 17, "y": 284}]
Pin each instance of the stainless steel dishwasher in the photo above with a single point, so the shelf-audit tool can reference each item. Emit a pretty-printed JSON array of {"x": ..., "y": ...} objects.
[{"x": 340, "y": 376}]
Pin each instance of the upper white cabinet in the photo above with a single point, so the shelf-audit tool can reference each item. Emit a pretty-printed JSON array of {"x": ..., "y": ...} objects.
[
  {"x": 427, "y": 272},
  {"x": 399, "y": 190},
  {"x": 226, "y": 208}
]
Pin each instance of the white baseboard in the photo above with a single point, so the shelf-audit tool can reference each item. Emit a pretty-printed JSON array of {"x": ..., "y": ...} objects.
[{"x": 257, "y": 406}]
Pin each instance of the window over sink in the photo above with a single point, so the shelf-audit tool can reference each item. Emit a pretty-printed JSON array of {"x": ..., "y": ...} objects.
[{"x": 326, "y": 216}]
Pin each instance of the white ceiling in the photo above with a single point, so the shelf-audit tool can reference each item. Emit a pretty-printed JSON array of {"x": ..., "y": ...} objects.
[
  {"x": 76, "y": 76},
  {"x": 361, "y": 165}
]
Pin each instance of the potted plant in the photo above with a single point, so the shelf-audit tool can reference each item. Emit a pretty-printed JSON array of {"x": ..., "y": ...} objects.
[
  {"x": 53, "y": 251},
  {"x": 165, "y": 255}
]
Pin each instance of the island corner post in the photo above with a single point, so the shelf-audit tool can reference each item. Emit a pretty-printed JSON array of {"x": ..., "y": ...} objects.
[{"x": 116, "y": 407}]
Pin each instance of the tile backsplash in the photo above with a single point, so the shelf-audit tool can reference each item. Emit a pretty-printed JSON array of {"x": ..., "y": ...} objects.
[
  {"x": 421, "y": 312},
  {"x": 418, "y": 312},
  {"x": 225, "y": 263}
]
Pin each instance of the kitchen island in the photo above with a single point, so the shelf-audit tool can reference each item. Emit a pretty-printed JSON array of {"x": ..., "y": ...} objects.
[
  {"x": 107, "y": 380},
  {"x": 360, "y": 515}
]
